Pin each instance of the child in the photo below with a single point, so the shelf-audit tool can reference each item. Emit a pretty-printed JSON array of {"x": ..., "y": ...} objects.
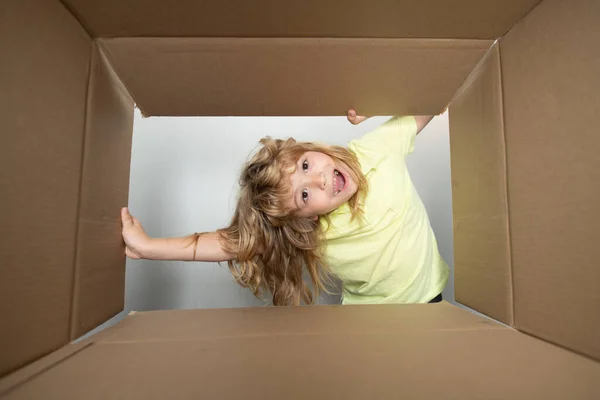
[{"x": 352, "y": 212}]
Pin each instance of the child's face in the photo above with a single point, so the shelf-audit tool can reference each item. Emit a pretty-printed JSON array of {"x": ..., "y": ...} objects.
[{"x": 319, "y": 185}]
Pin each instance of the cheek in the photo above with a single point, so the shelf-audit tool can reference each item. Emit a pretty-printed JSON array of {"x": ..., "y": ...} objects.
[
  {"x": 322, "y": 201},
  {"x": 351, "y": 192}
]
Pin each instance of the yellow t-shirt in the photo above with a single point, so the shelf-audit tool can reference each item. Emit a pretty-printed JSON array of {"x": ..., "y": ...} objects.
[{"x": 392, "y": 257}]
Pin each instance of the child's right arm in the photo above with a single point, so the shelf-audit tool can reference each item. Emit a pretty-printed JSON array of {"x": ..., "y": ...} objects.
[{"x": 140, "y": 246}]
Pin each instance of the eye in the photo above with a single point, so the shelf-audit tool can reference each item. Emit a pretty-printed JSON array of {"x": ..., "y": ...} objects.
[
  {"x": 304, "y": 195},
  {"x": 305, "y": 165}
]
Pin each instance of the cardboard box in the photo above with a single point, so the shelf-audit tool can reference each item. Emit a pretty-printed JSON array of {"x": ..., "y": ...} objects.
[{"x": 522, "y": 78}]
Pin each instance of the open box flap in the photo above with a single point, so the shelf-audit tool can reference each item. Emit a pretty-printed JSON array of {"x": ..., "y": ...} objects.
[
  {"x": 276, "y": 321},
  {"x": 526, "y": 175},
  {"x": 464, "y": 19},
  {"x": 44, "y": 78},
  {"x": 100, "y": 261},
  {"x": 551, "y": 80},
  {"x": 292, "y": 76},
  {"x": 315, "y": 352},
  {"x": 480, "y": 211},
  {"x": 65, "y": 174}
]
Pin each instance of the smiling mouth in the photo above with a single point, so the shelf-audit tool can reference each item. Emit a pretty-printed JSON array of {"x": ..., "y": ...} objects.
[{"x": 339, "y": 182}]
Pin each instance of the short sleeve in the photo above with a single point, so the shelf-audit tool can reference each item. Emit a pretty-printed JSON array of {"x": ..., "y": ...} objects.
[{"x": 396, "y": 136}]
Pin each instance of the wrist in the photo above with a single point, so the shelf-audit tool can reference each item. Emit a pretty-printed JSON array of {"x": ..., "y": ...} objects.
[{"x": 148, "y": 249}]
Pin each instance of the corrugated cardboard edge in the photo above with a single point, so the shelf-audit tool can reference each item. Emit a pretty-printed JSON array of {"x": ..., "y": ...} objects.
[
  {"x": 108, "y": 129},
  {"x": 483, "y": 88}
]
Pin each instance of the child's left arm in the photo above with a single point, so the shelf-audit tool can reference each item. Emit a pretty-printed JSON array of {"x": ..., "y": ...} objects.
[{"x": 422, "y": 120}]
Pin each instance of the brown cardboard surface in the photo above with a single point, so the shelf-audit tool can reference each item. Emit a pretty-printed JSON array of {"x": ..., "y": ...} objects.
[
  {"x": 550, "y": 67},
  {"x": 43, "y": 80},
  {"x": 100, "y": 262},
  {"x": 183, "y": 325},
  {"x": 473, "y": 19},
  {"x": 480, "y": 210},
  {"x": 499, "y": 364},
  {"x": 64, "y": 163},
  {"x": 38, "y": 367},
  {"x": 292, "y": 77}
]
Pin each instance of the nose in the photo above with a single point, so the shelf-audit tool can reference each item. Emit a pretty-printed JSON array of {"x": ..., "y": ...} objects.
[{"x": 317, "y": 180}]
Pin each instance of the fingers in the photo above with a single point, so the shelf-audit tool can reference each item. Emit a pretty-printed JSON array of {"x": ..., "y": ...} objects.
[
  {"x": 131, "y": 254},
  {"x": 354, "y": 118},
  {"x": 126, "y": 219}
]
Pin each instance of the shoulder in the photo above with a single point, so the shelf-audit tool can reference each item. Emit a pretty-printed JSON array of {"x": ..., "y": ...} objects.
[{"x": 395, "y": 136}]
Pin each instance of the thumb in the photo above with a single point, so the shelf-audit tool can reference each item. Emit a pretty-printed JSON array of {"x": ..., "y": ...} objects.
[
  {"x": 126, "y": 218},
  {"x": 354, "y": 118}
]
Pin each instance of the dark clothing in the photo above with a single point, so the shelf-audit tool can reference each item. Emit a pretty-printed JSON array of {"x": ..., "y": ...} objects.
[{"x": 436, "y": 299}]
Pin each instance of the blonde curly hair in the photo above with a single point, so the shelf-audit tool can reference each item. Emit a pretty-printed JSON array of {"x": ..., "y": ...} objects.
[{"x": 271, "y": 245}]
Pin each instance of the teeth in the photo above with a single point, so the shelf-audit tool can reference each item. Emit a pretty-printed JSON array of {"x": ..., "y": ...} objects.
[{"x": 334, "y": 182}]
